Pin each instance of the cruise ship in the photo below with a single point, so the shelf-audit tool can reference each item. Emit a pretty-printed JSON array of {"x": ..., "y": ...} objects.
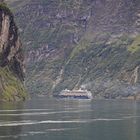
[{"x": 75, "y": 94}]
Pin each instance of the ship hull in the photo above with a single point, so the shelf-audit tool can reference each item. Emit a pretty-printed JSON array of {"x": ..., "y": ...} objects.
[{"x": 72, "y": 97}]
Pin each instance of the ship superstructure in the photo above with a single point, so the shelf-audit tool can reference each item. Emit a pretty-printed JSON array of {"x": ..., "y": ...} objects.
[{"x": 80, "y": 94}]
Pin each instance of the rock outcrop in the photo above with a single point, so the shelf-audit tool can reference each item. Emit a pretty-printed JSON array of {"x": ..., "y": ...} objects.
[{"x": 11, "y": 58}]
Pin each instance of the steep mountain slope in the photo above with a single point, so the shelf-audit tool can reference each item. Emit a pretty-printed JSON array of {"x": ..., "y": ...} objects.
[
  {"x": 11, "y": 58},
  {"x": 94, "y": 44}
]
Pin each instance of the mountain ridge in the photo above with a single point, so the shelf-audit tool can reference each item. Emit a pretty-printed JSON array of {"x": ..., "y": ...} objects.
[{"x": 89, "y": 44}]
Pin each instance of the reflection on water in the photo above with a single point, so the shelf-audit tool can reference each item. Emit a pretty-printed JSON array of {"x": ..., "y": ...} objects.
[{"x": 54, "y": 119}]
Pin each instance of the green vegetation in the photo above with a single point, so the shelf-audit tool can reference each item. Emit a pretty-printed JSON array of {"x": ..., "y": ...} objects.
[
  {"x": 135, "y": 46},
  {"x": 11, "y": 88},
  {"x": 93, "y": 59},
  {"x": 83, "y": 45},
  {"x": 3, "y": 6}
]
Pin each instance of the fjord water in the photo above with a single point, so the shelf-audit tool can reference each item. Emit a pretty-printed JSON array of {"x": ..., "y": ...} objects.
[{"x": 52, "y": 119}]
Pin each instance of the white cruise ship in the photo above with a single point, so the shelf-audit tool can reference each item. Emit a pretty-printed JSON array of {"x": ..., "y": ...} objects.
[{"x": 79, "y": 94}]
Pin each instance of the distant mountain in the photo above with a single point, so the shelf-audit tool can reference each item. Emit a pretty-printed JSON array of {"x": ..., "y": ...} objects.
[
  {"x": 11, "y": 58},
  {"x": 93, "y": 44}
]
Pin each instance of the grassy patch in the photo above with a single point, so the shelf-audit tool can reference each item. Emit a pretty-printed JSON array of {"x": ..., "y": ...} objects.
[
  {"x": 135, "y": 46},
  {"x": 10, "y": 87}
]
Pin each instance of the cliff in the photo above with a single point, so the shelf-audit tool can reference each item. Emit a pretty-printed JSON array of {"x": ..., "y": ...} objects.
[
  {"x": 11, "y": 58},
  {"x": 93, "y": 44}
]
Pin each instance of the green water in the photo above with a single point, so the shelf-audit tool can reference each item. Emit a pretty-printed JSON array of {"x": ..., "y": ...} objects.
[{"x": 52, "y": 119}]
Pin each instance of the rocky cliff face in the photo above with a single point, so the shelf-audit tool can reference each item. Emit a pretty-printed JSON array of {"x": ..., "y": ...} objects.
[
  {"x": 94, "y": 44},
  {"x": 11, "y": 58}
]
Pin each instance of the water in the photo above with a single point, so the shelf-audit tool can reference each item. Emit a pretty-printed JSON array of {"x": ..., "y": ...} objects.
[{"x": 52, "y": 119}]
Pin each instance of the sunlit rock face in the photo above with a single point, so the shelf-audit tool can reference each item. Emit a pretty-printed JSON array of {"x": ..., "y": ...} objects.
[{"x": 11, "y": 58}]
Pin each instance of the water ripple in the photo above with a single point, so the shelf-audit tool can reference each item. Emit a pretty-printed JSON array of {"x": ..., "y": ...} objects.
[
  {"x": 22, "y": 123},
  {"x": 44, "y": 113}
]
